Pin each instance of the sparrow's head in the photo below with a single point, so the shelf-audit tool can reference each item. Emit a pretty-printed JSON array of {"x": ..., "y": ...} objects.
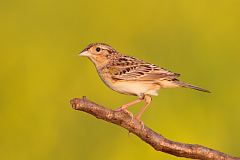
[{"x": 98, "y": 52}]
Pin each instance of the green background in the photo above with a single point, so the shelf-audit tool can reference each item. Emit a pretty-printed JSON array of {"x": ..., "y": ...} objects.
[{"x": 41, "y": 71}]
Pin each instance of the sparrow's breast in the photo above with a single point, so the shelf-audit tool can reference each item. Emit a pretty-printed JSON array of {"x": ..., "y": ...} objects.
[{"x": 136, "y": 88}]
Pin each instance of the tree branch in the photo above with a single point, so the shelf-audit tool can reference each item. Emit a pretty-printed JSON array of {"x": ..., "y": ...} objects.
[{"x": 157, "y": 141}]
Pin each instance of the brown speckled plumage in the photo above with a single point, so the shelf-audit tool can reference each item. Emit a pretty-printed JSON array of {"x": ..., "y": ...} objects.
[{"x": 129, "y": 75}]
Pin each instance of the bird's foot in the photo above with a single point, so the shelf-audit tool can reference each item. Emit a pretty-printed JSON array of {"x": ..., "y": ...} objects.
[
  {"x": 121, "y": 109},
  {"x": 141, "y": 122}
]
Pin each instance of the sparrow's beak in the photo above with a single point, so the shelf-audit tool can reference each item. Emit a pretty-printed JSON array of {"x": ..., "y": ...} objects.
[{"x": 84, "y": 53}]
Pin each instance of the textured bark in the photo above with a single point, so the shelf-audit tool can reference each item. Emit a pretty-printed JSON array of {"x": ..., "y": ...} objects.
[{"x": 157, "y": 141}]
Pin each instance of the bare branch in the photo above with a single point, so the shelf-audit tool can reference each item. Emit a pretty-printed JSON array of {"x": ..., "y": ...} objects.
[{"x": 157, "y": 141}]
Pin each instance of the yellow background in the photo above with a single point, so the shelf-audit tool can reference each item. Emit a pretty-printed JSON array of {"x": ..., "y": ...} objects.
[{"x": 41, "y": 71}]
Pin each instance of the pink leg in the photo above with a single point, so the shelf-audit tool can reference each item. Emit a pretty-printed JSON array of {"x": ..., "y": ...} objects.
[
  {"x": 147, "y": 100},
  {"x": 125, "y": 106}
]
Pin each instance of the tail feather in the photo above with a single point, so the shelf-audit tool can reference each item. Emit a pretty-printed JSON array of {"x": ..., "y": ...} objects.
[{"x": 186, "y": 85}]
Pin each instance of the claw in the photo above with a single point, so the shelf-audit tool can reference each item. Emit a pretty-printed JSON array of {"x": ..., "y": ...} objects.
[
  {"x": 141, "y": 122},
  {"x": 121, "y": 109}
]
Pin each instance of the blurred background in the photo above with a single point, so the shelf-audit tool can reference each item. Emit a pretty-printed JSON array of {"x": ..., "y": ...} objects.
[{"x": 41, "y": 71}]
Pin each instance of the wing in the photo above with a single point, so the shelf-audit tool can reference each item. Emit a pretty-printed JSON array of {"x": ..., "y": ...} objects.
[{"x": 130, "y": 68}]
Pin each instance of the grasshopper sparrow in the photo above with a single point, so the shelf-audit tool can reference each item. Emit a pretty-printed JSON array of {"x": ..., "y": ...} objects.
[{"x": 131, "y": 76}]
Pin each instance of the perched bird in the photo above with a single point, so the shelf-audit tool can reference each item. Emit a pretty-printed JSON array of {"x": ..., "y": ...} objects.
[{"x": 131, "y": 76}]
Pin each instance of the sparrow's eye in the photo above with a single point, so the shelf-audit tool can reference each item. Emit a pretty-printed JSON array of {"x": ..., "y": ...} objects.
[{"x": 98, "y": 49}]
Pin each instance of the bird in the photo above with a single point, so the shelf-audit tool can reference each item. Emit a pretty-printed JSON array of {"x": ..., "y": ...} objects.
[{"x": 132, "y": 76}]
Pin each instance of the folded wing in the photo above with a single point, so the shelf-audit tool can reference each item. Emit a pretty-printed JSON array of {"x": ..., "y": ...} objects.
[{"x": 129, "y": 68}]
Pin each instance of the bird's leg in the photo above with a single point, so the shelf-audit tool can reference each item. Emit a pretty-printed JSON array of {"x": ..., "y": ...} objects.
[
  {"x": 147, "y": 100},
  {"x": 125, "y": 106}
]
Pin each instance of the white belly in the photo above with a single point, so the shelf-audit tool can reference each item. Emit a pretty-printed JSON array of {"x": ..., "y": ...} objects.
[
  {"x": 136, "y": 88},
  {"x": 132, "y": 87}
]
